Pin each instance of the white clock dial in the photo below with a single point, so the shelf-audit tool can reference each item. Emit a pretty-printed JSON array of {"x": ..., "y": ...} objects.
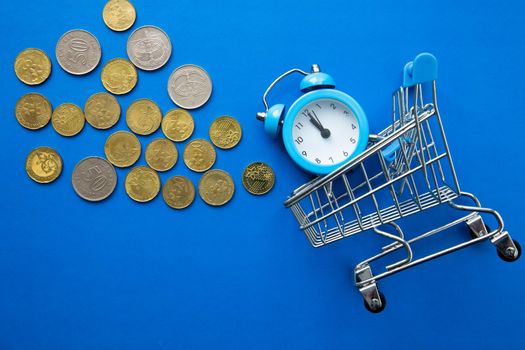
[{"x": 325, "y": 132}]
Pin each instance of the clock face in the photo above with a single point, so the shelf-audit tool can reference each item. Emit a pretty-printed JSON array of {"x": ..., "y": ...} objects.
[{"x": 325, "y": 132}]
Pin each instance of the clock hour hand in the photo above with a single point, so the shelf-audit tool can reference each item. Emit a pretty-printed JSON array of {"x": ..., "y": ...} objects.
[{"x": 325, "y": 133}]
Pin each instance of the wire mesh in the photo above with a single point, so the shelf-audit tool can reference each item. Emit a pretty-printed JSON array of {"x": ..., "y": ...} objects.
[{"x": 407, "y": 168}]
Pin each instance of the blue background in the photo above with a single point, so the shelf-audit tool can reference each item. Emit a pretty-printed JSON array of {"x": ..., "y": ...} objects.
[{"x": 121, "y": 275}]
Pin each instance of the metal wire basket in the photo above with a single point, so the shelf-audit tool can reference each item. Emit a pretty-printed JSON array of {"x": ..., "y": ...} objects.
[{"x": 406, "y": 169}]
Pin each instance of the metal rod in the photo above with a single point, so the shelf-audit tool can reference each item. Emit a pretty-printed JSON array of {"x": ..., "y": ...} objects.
[
  {"x": 278, "y": 79},
  {"x": 321, "y": 181}
]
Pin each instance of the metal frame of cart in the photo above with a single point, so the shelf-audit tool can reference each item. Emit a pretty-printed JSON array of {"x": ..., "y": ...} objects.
[{"x": 406, "y": 169}]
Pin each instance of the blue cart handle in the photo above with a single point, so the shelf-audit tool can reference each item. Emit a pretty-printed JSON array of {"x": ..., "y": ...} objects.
[
  {"x": 422, "y": 69},
  {"x": 389, "y": 153}
]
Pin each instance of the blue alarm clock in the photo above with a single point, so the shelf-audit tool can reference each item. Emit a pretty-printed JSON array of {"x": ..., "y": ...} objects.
[{"x": 323, "y": 129}]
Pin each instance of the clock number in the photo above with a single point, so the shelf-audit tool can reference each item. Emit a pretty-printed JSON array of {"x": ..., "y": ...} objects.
[
  {"x": 345, "y": 153},
  {"x": 346, "y": 113},
  {"x": 318, "y": 105},
  {"x": 305, "y": 113},
  {"x": 352, "y": 140},
  {"x": 333, "y": 106},
  {"x": 318, "y": 161},
  {"x": 304, "y": 153},
  {"x": 299, "y": 140},
  {"x": 299, "y": 125},
  {"x": 332, "y": 159},
  {"x": 353, "y": 126}
]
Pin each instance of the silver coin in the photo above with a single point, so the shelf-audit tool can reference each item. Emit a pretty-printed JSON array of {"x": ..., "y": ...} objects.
[
  {"x": 149, "y": 48},
  {"x": 189, "y": 86},
  {"x": 78, "y": 52},
  {"x": 94, "y": 179}
]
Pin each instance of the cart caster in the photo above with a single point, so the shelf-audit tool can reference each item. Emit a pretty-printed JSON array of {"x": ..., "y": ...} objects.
[
  {"x": 477, "y": 228},
  {"x": 510, "y": 254},
  {"x": 374, "y": 300},
  {"x": 376, "y": 305}
]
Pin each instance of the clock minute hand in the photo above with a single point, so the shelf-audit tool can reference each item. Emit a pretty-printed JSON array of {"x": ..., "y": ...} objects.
[
  {"x": 315, "y": 122},
  {"x": 325, "y": 133}
]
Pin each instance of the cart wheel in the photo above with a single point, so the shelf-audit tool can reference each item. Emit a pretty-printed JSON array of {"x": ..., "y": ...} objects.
[
  {"x": 473, "y": 235},
  {"x": 377, "y": 309},
  {"x": 510, "y": 258}
]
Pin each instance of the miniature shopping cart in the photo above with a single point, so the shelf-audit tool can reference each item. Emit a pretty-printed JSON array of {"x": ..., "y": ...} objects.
[{"x": 406, "y": 169}]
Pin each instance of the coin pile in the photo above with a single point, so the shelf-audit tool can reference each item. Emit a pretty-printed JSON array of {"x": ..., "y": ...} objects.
[{"x": 149, "y": 48}]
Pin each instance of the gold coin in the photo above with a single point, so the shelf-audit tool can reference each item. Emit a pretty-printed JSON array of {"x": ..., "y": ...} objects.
[
  {"x": 43, "y": 165},
  {"x": 199, "y": 155},
  {"x": 119, "y": 15},
  {"x": 119, "y": 76},
  {"x": 142, "y": 184},
  {"x": 225, "y": 132},
  {"x": 143, "y": 117},
  {"x": 161, "y": 155},
  {"x": 216, "y": 187},
  {"x": 33, "y": 111},
  {"x": 258, "y": 178},
  {"x": 32, "y": 66},
  {"x": 122, "y": 149},
  {"x": 178, "y": 192},
  {"x": 102, "y": 110},
  {"x": 178, "y": 125},
  {"x": 68, "y": 119}
]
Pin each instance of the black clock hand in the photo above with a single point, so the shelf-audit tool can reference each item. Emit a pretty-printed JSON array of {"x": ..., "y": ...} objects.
[
  {"x": 316, "y": 124},
  {"x": 325, "y": 133}
]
